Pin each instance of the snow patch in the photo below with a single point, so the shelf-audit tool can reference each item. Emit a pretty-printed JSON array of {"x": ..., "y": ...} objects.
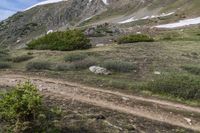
[
  {"x": 181, "y": 23},
  {"x": 128, "y": 20},
  {"x": 44, "y": 3},
  {"x": 146, "y": 17},
  {"x": 105, "y": 2}
]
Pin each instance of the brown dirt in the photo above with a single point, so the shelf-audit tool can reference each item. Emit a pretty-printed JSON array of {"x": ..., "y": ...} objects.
[{"x": 152, "y": 109}]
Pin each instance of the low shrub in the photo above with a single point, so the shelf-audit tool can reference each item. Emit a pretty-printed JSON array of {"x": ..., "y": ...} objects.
[
  {"x": 39, "y": 65},
  {"x": 119, "y": 66},
  {"x": 134, "y": 38},
  {"x": 192, "y": 69},
  {"x": 76, "y": 65},
  {"x": 22, "y": 110},
  {"x": 181, "y": 86},
  {"x": 82, "y": 64},
  {"x": 22, "y": 58},
  {"x": 64, "y": 41},
  {"x": 63, "y": 67},
  {"x": 75, "y": 57},
  {"x": 4, "y": 65}
]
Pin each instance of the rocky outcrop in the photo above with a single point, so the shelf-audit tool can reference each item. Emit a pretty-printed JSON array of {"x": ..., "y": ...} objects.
[{"x": 99, "y": 70}]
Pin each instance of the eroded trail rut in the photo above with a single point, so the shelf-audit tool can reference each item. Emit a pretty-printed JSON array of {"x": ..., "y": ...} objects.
[{"x": 159, "y": 110}]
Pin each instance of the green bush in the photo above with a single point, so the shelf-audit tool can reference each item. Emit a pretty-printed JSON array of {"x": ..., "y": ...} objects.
[
  {"x": 134, "y": 38},
  {"x": 64, "y": 41},
  {"x": 22, "y": 109},
  {"x": 75, "y": 57},
  {"x": 192, "y": 69},
  {"x": 39, "y": 65},
  {"x": 4, "y": 65},
  {"x": 119, "y": 66},
  {"x": 22, "y": 58},
  {"x": 181, "y": 86}
]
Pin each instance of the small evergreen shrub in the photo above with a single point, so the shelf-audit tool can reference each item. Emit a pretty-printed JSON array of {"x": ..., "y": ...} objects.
[
  {"x": 181, "y": 86},
  {"x": 39, "y": 65},
  {"x": 134, "y": 38},
  {"x": 22, "y": 58},
  {"x": 75, "y": 57},
  {"x": 64, "y": 41},
  {"x": 119, "y": 66},
  {"x": 23, "y": 111}
]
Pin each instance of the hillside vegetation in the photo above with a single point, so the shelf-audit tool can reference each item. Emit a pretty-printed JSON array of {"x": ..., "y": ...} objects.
[{"x": 63, "y": 41}]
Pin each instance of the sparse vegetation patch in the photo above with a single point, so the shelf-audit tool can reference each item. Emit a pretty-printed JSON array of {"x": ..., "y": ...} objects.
[
  {"x": 119, "y": 66},
  {"x": 75, "y": 57},
  {"x": 39, "y": 65}
]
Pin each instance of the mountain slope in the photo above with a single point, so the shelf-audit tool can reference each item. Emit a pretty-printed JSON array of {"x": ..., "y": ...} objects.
[{"x": 62, "y": 14}]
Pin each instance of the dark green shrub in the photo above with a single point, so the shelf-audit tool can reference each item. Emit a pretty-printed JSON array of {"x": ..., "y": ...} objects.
[
  {"x": 4, "y": 65},
  {"x": 22, "y": 58},
  {"x": 134, "y": 38},
  {"x": 75, "y": 57},
  {"x": 22, "y": 110},
  {"x": 39, "y": 65},
  {"x": 192, "y": 69},
  {"x": 64, "y": 41},
  {"x": 182, "y": 86},
  {"x": 119, "y": 66}
]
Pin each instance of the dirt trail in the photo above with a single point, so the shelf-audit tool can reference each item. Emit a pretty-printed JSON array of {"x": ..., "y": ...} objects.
[{"x": 154, "y": 109}]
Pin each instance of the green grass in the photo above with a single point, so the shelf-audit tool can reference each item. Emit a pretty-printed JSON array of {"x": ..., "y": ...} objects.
[
  {"x": 63, "y": 41},
  {"x": 182, "y": 86},
  {"x": 132, "y": 65},
  {"x": 134, "y": 38},
  {"x": 75, "y": 57}
]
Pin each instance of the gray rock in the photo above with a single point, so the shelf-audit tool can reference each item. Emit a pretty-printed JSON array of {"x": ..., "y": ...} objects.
[{"x": 99, "y": 70}]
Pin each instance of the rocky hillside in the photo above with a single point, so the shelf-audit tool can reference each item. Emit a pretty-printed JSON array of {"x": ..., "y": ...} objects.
[{"x": 34, "y": 22}]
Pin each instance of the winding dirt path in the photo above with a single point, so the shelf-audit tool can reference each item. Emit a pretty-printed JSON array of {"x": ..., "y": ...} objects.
[{"x": 154, "y": 109}]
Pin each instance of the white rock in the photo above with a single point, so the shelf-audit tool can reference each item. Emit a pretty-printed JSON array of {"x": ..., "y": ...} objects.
[
  {"x": 125, "y": 98},
  {"x": 189, "y": 121},
  {"x": 50, "y": 31},
  {"x": 18, "y": 41},
  {"x": 99, "y": 70},
  {"x": 157, "y": 73},
  {"x": 100, "y": 45}
]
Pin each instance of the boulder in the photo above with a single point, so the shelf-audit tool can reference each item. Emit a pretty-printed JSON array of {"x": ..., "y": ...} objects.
[{"x": 99, "y": 70}]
